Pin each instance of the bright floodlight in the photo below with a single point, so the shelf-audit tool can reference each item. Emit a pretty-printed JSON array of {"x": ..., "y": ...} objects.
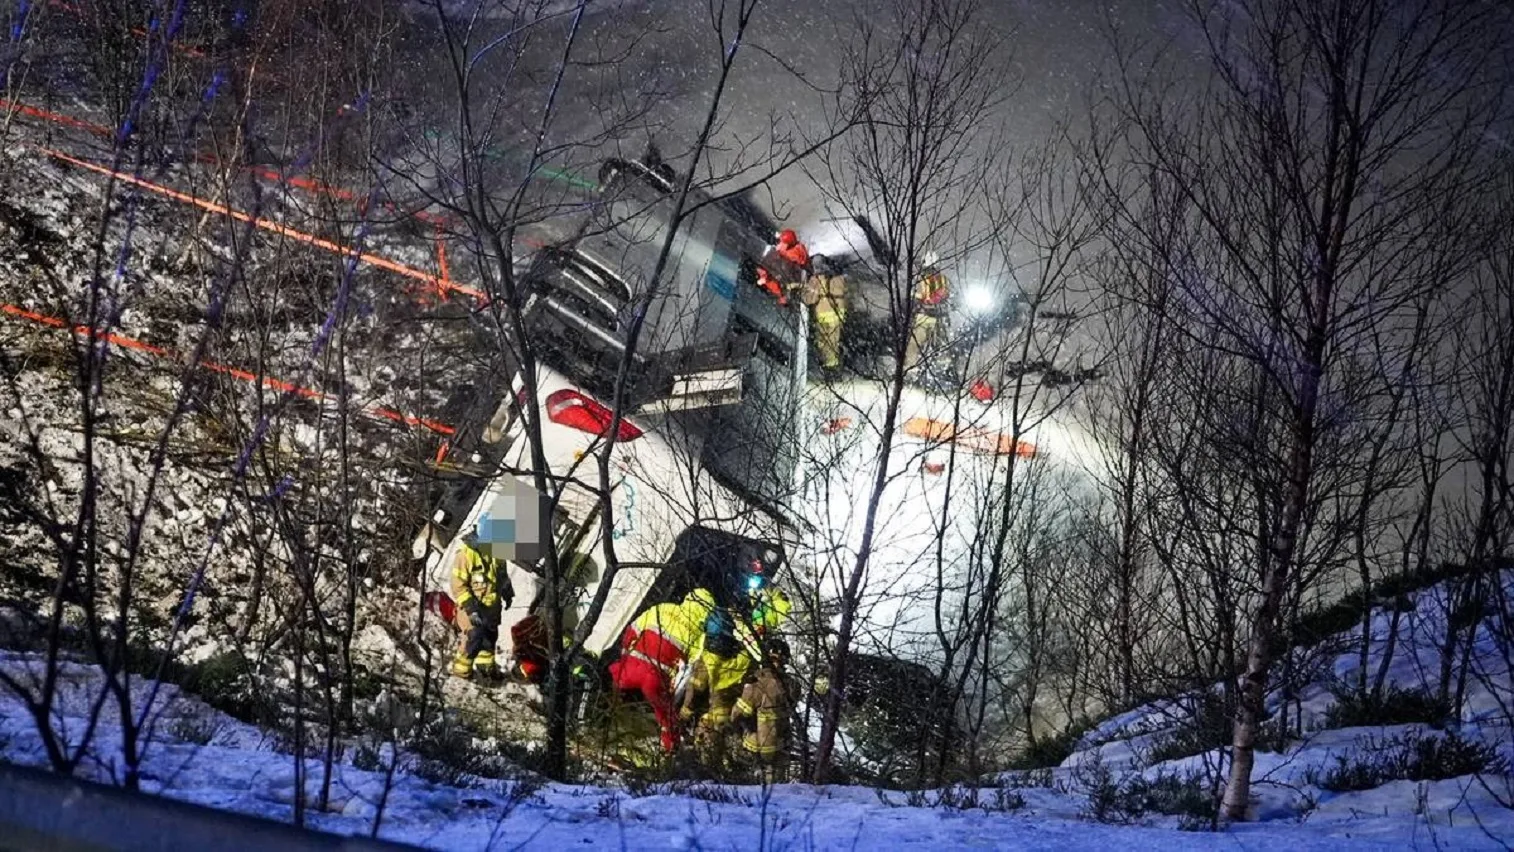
[{"x": 979, "y": 300}]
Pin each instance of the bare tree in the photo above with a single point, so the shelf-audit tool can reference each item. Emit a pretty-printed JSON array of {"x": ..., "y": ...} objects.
[
  {"x": 1321, "y": 166},
  {"x": 1487, "y": 404},
  {"x": 926, "y": 76},
  {"x": 537, "y": 61}
]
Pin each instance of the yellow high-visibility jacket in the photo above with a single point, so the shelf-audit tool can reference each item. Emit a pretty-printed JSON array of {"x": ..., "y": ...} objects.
[
  {"x": 770, "y": 608},
  {"x": 470, "y": 567},
  {"x": 681, "y": 623}
]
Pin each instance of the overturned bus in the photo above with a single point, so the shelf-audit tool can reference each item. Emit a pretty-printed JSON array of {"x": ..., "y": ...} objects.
[{"x": 705, "y": 459}]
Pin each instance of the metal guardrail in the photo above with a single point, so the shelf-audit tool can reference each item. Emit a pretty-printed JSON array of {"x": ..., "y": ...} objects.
[{"x": 41, "y": 810}]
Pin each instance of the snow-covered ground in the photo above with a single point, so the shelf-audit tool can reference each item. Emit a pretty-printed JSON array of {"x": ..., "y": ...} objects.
[{"x": 199, "y": 755}]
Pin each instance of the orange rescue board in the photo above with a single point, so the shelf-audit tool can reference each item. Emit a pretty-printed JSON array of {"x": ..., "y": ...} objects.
[{"x": 973, "y": 439}]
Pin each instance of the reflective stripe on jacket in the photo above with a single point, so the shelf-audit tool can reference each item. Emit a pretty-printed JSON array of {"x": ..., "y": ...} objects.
[{"x": 652, "y": 648}]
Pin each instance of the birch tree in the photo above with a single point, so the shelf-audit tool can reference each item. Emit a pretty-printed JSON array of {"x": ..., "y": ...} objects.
[{"x": 1323, "y": 163}]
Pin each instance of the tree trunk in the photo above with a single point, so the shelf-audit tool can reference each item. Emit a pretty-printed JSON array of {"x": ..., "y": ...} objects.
[{"x": 1251, "y": 706}]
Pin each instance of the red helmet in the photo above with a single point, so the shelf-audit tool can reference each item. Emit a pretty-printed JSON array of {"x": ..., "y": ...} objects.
[
  {"x": 787, "y": 237},
  {"x": 530, "y": 670}
]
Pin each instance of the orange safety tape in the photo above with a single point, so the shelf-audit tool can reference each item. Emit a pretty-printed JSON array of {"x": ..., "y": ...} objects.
[
  {"x": 56, "y": 117},
  {"x": 308, "y": 184},
  {"x": 297, "y": 182},
  {"x": 136, "y": 31},
  {"x": 122, "y": 340},
  {"x": 441, "y": 254},
  {"x": 980, "y": 440},
  {"x": 442, "y": 285},
  {"x": 836, "y": 424}
]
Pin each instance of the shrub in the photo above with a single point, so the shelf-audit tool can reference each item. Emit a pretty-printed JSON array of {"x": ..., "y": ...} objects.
[
  {"x": 1184, "y": 796},
  {"x": 718, "y": 794},
  {"x": 653, "y": 780},
  {"x": 366, "y": 757},
  {"x": 193, "y": 729},
  {"x": 1114, "y": 799},
  {"x": 959, "y": 797},
  {"x": 1409, "y": 758},
  {"x": 1394, "y": 706},
  {"x": 1049, "y": 752},
  {"x": 894, "y": 720},
  {"x": 226, "y": 681},
  {"x": 446, "y": 755},
  {"x": 225, "y": 678},
  {"x": 1026, "y": 779},
  {"x": 366, "y": 685},
  {"x": 1344, "y": 614},
  {"x": 1208, "y": 727}
]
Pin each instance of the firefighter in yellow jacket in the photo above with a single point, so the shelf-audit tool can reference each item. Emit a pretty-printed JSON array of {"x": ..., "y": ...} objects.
[
  {"x": 769, "y": 606},
  {"x": 825, "y": 294},
  {"x": 931, "y": 295},
  {"x": 714, "y": 685},
  {"x": 481, "y": 590}
]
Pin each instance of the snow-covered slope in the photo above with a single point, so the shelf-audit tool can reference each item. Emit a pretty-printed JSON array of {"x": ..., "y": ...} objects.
[{"x": 200, "y": 755}]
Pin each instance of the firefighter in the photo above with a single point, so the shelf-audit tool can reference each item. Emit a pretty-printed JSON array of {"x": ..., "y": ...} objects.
[
  {"x": 763, "y": 711},
  {"x": 714, "y": 686},
  {"x": 530, "y": 638},
  {"x": 825, "y": 293},
  {"x": 790, "y": 262},
  {"x": 481, "y": 589},
  {"x": 530, "y": 641},
  {"x": 931, "y": 293},
  {"x": 654, "y": 648}
]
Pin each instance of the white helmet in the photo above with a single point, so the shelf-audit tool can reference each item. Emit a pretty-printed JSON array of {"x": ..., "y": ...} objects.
[{"x": 930, "y": 258}]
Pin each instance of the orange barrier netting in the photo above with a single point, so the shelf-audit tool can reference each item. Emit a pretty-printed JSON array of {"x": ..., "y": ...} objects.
[
  {"x": 442, "y": 285},
  {"x": 378, "y": 411}
]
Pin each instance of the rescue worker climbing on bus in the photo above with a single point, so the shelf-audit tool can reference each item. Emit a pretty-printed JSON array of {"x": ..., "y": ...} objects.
[
  {"x": 785, "y": 267},
  {"x": 930, "y": 296},
  {"x": 825, "y": 294},
  {"x": 768, "y": 604},
  {"x": 656, "y": 645},
  {"x": 713, "y": 687},
  {"x": 762, "y": 712},
  {"x": 481, "y": 591}
]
